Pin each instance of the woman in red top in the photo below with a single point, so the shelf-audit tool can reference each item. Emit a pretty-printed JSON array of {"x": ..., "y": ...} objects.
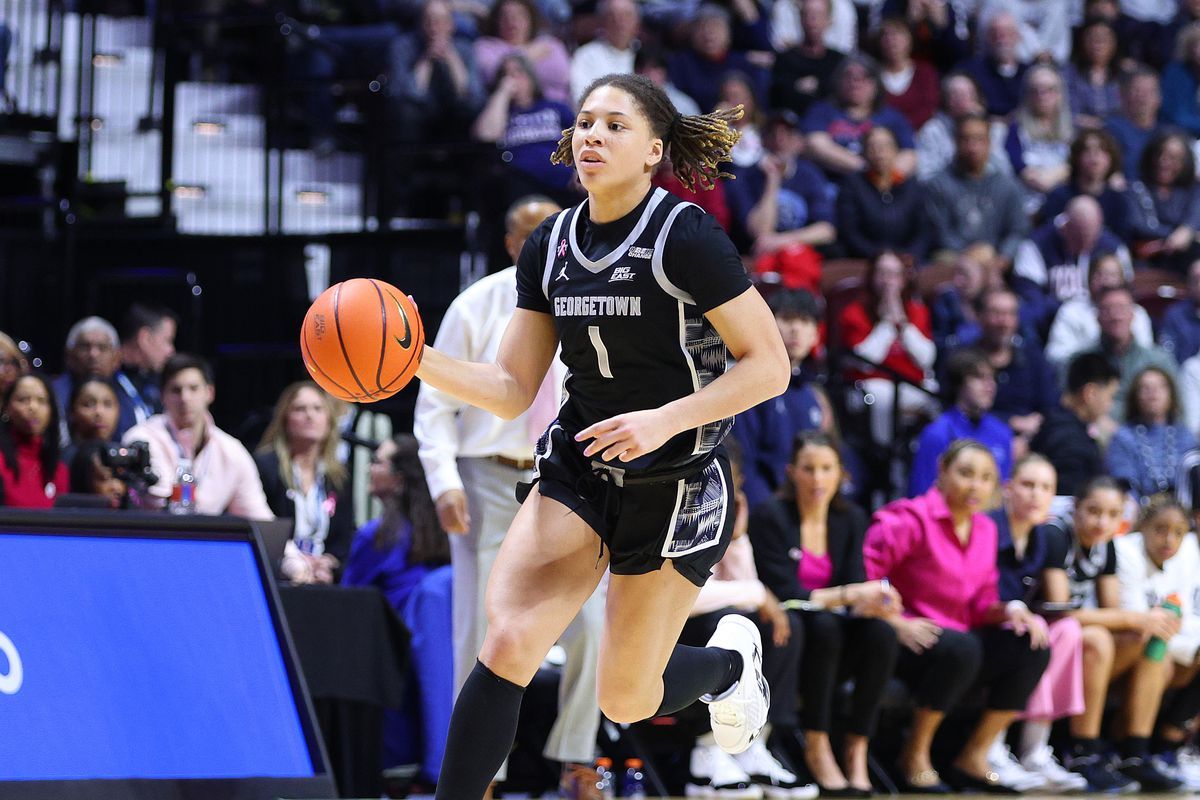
[
  {"x": 890, "y": 326},
  {"x": 911, "y": 86},
  {"x": 31, "y": 474}
]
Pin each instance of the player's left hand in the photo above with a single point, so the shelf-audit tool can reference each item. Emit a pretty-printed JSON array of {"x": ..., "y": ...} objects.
[{"x": 627, "y": 436}]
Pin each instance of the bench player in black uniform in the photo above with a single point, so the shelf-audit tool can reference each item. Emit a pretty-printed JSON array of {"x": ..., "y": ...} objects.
[{"x": 649, "y": 299}]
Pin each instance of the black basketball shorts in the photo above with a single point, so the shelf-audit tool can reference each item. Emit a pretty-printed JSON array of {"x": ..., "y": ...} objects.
[{"x": 685, "y": 515}]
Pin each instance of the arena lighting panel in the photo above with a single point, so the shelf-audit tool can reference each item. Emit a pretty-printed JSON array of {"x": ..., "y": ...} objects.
[{"x": 144, "y": 655}]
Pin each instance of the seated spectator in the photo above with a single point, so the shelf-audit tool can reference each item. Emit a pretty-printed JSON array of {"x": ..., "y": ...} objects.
[
  {"x": 1024, "y": 569},
  {"x": 954, "y": 308},
  {"x": 1137, "y": 121},
  {"x": 1113, "y": 643},
  {"x": 1168, "y": 34},
  {"x": 1164, "y": 206},
  {"x": 1076, "y": 327},
  {"x": 1136, "y": 38},
  {"x": 808, "y": 546},
  {"x": 147, "y": 341},
  {"x": 765, "y": 433},
  {"x": 935, "y": 140},
  {"x": 186, "y": 439},
  {"x": 1026, "y": 386},
  {"x": 784, "y": 201},
  {"x": 1095, "y": 164},
  {"x": 999, "y": 71},
  {"x": 31, "y": 473},
  {"x": 881, "y": 208},
  {"x": 712, "y": 201},
  {"x": 302, "y": 477},
  {"x": 1052, "y": 264},
  {"x": 517, "y": 26},
  {"x": 971, "y": 387},
  {"x": 1146, "y": 452},
  {"x": 89, "y": 475},
  {"x": 971, "y": 201},
  {"x": 737, "y": 90},
  {"x": 836, "y": 129},
  {"x": 92, "y": 414},
  {"x": 1092, "y": 76},
  {"x": 397, "y": 553},
  {"x": 12, "y": 362},
  {"x": 612, "y": 51},
  {"x": 1039, "y": 139},
  {"x": 910, "y": 86},
  {"x": 93, "y": 350},
  {"x": 1181, "y": 81},
  {"x": 940, "y": 32},
  {"x": 1114, "y": 309},
  {"x": 435, "y": 88},
  {"x": 803, "y": 74},
  {"x": 939, "y": 551},
  {"x": 1158, "y": 560},
  {"x": 1180, "y": 331},
  {"x": 735, "y": 588},
  {"x": 519, "y": 119},
  {"x": 1065, "y": 437},
  {"x": 698, "y": 68},
  {"x": 651, "y": 62},
  {"x": 890, "y": 326},
  {"x": 786, "y": 30},
  {"x": 1044, "y": 27}
]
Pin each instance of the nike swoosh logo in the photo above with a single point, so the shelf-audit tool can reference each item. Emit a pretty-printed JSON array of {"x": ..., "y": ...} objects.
[{"x": 406, "y": 342}]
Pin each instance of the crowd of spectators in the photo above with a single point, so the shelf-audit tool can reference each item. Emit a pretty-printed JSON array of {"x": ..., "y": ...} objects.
[{"x": 1035, "y": 157}]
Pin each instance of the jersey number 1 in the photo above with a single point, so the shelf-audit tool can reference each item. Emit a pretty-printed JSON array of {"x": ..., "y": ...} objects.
[{"x": 601, "y": 350}]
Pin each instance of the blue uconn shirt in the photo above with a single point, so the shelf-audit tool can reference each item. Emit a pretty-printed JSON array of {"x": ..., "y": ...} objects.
[{"x": 628, "y": 299}]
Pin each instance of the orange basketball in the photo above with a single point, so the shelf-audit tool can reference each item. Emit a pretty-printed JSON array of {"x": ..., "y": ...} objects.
[{"x": 362, "y": 340}]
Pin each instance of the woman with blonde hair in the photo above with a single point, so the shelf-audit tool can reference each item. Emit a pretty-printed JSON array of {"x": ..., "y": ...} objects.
[
  {"x": 1039, "y": 138},
  {"x": 303, "y": 478}
]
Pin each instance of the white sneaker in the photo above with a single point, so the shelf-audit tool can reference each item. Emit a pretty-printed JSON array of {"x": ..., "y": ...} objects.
[
  {"x": 714, "y": 773},
  {"x": 1180, "y": 766},
  {"x": 1189, "y": 766},
  {"x": 1009, "y": 770},
  {"x": 1058, "y": 778},
  {"x": 739, "y": 713},
  {"x": 776, "y": 780}
]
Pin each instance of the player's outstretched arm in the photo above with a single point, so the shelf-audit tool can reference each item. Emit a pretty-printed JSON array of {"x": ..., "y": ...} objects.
[
  {"x": 507, "y": 386},
  {"x": 762, "y": 371}
]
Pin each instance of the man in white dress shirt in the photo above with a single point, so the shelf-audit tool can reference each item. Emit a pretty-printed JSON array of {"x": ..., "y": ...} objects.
[{"x": 473, "y": 461}]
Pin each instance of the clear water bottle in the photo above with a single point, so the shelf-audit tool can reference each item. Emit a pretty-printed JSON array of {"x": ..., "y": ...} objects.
[
  {"x": 606, "y": 785},
  {"x": 183, "y": 495},
  {"x": 634, "y": 783}
]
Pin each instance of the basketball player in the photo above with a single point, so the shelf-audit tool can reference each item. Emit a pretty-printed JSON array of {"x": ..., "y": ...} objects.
[
  {"x": 472, "y": 461},
  {"x": 648, "y": 298}
]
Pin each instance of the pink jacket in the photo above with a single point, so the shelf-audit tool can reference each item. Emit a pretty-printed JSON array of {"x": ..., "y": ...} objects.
[{"x": 911, "y": 542}]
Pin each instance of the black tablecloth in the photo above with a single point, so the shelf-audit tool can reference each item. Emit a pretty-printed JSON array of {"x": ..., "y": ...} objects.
[{"x": 354, "y": 652}]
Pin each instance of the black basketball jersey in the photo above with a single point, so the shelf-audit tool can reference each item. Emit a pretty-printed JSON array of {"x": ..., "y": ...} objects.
[{"x": 628, "y": 300}]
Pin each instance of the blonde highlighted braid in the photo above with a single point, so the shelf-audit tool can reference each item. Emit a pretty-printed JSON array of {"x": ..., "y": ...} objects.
[{"x": 695, "y": 144}]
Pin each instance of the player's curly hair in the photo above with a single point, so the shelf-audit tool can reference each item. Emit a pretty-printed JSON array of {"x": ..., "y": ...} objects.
[{"x": 695, "y": 144}]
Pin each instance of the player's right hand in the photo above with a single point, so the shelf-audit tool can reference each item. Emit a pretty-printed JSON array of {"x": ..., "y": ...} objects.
[{"x": 452, "y": 511}]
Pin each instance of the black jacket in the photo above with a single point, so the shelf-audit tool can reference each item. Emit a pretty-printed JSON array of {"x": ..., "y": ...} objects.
[
  {"x": 341, "y": 523},
  {"x": 870, "y": 221},
  {"x": 775, "y": 536},
  {"x": 1064, "y": 440}
]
